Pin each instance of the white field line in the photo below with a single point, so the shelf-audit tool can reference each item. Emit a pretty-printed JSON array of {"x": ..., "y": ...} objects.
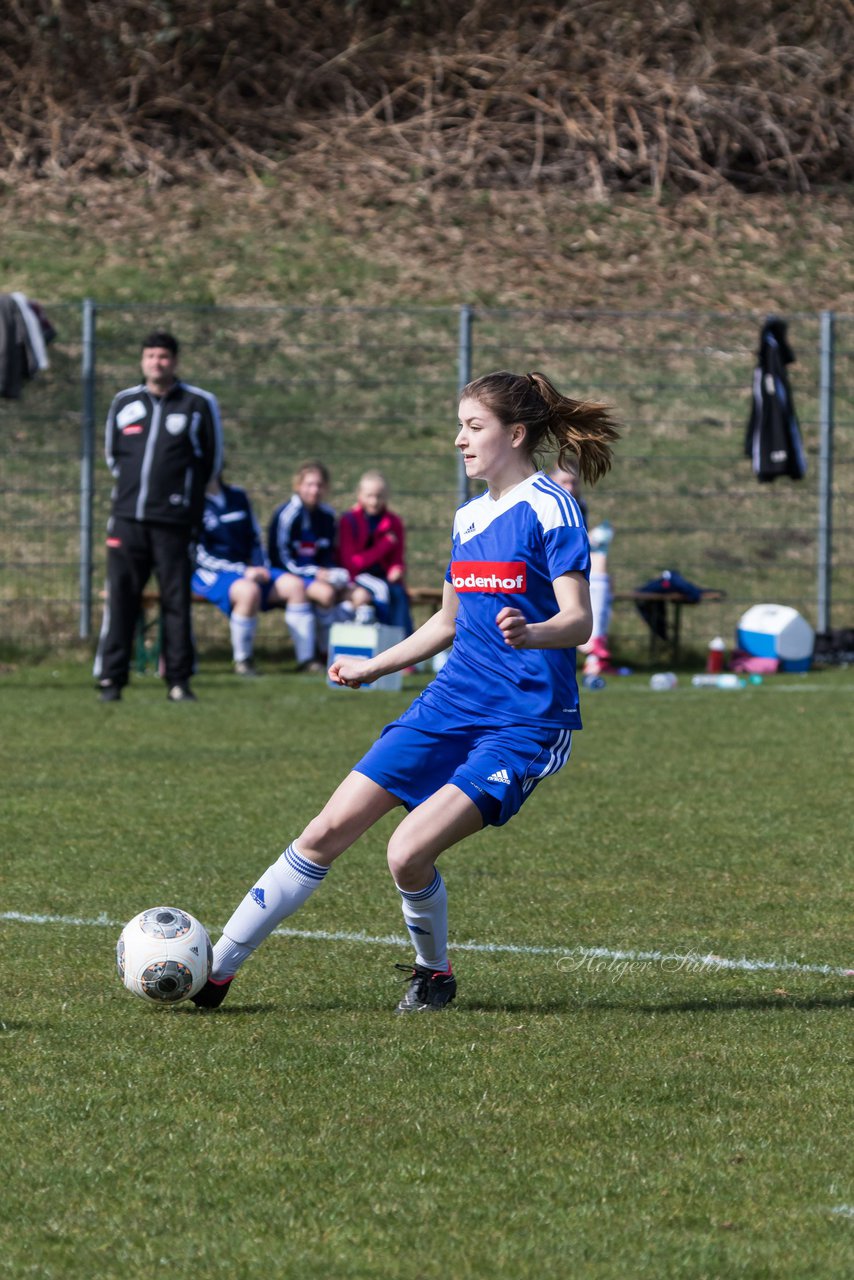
[
  {"x": 573, "y": 957},
  {"x": 681, "y": 689}
]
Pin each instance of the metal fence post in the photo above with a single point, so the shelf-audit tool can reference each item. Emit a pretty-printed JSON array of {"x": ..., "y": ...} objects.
[
  {"x": 825, "y": 472},
  {"x": 463, "y": 377},
  {"x": 87, "y": 466}
]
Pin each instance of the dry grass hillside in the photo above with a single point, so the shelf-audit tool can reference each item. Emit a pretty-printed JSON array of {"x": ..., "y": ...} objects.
[
  {"x": 596, "y": 94},
  {"x": 237, "y": 241},
  {"x": 595, "y": 153}
]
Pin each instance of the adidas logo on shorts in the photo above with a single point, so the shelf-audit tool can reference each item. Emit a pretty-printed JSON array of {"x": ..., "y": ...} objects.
[{"x": 500, "y": 775}]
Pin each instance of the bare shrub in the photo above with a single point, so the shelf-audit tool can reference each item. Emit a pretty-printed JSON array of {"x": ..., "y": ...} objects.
[{"x": 593, "y": 94}]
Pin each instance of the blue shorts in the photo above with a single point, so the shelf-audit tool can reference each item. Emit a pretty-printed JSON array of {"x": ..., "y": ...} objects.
[
  {"x": 496, "y": 766},
  {"x": 214, "y": 587}
]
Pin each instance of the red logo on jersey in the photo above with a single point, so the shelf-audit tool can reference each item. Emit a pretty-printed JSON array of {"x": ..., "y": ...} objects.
[
  {"x": 490, "y": 575},
  {"x": 133, "y": 429}
]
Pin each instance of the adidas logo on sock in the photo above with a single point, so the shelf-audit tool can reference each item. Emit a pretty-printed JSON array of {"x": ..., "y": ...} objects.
[
  {"x": 258, "y": 896},
  {"x": 500, "y": 775}
]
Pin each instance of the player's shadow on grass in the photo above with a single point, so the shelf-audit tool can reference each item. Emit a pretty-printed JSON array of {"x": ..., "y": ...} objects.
[
  {"x": 716, "y": 1004},
  {"x": 569, "y": 1004},
  {"x": 725, "y": 1004}
]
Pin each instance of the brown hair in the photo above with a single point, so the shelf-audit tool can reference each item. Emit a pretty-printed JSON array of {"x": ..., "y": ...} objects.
[
  {"x": 303, "y": 470},
  {"x": 581, "y": 431}
]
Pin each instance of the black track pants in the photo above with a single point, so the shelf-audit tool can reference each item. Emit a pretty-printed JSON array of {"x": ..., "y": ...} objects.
[{"x": 135, "y": 549}]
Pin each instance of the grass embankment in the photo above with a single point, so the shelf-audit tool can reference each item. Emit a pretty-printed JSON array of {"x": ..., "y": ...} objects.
[{"x": 282, "y": 242}]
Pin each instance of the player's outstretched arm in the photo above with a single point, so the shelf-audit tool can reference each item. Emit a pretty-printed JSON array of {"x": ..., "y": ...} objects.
[
  {"x": 568, "y": 628},
  {"x": 431, "y": 638}
]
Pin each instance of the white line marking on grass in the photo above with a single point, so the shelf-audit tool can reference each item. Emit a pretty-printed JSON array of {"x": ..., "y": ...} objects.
[
  {"x": 843, "y": 1210},
  {"x": 760, "y": 691},
  {"x": 691, "y": 961}
]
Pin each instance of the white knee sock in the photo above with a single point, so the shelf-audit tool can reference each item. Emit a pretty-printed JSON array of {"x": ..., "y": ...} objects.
[
  {"x": 282, "y": 888},
  {"x": 242, "y": 637},
  {"x": 426, "y": 916},
  {"x": 325, "y": 619},
  {"x": 600, "y": 603},
  {"x": 300, "y": 623}
]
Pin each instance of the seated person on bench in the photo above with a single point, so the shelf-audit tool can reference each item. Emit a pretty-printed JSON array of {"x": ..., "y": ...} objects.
[
  {"x": 371, "y": 547},
  {"x": 232, "y": 573},
  {"x": 302, "y": 539}
]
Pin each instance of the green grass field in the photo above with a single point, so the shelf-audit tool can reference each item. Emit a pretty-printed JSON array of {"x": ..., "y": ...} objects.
[{"x": 628, "y": 1112}]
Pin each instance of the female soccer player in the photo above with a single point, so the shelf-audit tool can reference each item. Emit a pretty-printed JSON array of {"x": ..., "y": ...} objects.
[{"x": 499, "y": 716}]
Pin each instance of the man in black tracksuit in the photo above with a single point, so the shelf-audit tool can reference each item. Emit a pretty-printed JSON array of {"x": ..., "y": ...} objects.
[{"x": 163, "y": 443}]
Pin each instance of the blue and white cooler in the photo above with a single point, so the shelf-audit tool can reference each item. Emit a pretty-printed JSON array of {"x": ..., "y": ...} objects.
[
  {"x": 777, "y": 631},
  {"x": 364, "y": 640}
]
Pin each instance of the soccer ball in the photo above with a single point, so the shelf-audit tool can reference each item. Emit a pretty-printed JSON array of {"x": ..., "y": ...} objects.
[{"x": 164, "y": 955}]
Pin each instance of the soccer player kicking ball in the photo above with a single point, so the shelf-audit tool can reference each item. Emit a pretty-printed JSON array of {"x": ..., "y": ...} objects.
[{"x": 500, "y": 715}]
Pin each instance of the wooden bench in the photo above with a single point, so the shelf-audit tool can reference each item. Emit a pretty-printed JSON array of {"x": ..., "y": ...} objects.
[
  {"x": 673, "y": 602},
  {"x": 431, "y": 599},
  {"x": 148, "y": 633}
]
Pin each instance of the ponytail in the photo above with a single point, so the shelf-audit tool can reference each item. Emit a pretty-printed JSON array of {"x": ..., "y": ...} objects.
[{"x": 582, "y": 432}]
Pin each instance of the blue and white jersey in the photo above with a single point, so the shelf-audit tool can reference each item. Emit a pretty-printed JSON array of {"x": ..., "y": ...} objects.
[
  {"x": 507, "y": 553},
  {"x": 231, "y": 539},
  {"x": 301, "y": 539}
]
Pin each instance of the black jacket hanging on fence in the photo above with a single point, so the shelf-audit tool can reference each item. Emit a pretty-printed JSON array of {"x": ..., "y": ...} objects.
[
  {"x": 24, "y": 333},
  {"x": 773, "y": 440}
]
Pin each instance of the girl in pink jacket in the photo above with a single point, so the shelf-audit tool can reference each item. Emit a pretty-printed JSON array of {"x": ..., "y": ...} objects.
[{"x": 371, "y": 547}]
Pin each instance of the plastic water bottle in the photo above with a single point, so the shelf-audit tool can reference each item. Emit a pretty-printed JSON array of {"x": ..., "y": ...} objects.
[
  {"x": 593, "y": 682},
  {"x": 726, "y": 680},
  {"x": 715, "y": 657},
  {"x": 663, "y": 680}
]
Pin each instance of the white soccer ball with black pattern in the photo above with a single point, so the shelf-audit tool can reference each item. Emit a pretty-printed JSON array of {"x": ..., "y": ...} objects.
[{"x": 164, "y": 955}]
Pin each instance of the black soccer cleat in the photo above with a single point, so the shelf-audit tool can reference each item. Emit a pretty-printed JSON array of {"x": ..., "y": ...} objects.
[
  {"x": 181, "y": 692},
  {"x": 212, "y": 994},
  {"x": 428, "y": 990},
  {"x": 109, "y": 691}
]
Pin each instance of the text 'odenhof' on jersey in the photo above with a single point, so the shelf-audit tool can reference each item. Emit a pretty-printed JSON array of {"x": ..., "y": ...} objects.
[{"x": 492, "y": 576}]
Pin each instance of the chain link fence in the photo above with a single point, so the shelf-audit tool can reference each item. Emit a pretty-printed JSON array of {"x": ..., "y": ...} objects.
[{"x": 359, "y": 387}]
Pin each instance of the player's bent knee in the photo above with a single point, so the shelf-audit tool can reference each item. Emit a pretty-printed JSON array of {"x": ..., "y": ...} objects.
[
  {"x": 410, "y": 867},
  {"x": 321, "y": 593},
  {"x": 324, "y": 839}
]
